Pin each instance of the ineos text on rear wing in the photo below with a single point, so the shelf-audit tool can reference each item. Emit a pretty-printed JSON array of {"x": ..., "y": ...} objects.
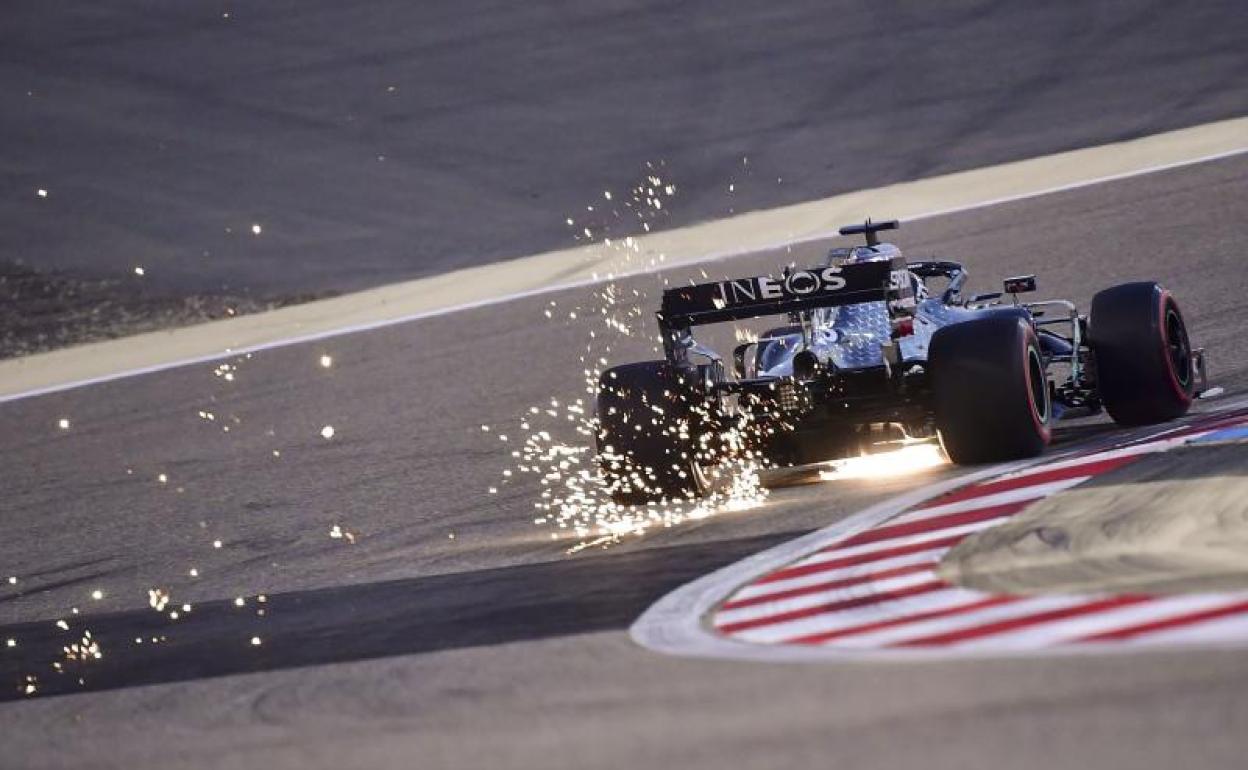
[{"x": 816, "y": 287}]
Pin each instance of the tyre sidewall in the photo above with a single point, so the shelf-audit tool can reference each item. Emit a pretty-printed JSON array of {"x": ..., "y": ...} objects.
[
  {"x": 990, "y": 391},
  {"x": 1136, "y": 376},
  {"x": 631, "y": 390}
]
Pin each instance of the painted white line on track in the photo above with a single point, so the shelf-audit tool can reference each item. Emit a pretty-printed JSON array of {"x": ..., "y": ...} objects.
[
  {"x": 829, "y": 622},
  {"x": 1113, "y": 454},
  {"x": 781, "y": 607},
  {"x": 526, "y": 277},
  {"x": 674, "y": 625},
  {"x": 837, "y": 554},
  {"x": 950, "y": 602},
  {"x": 1021, "y": 495},
  {"x": 759, "y": 590},
  {"x": 1010, "y": 611},
  {"x": 1206, "y": 632},
  {"x": 1077, "y": 627}
]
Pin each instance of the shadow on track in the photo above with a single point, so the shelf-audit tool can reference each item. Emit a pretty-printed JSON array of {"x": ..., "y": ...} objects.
[
  {"x": 346, "y": 623},
  {"x": 597, "y": 592}
]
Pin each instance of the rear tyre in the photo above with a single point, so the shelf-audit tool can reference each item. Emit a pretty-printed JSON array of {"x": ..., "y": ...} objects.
[
  {"x": 647, "y": 444},
  {"x": 1143, "y": 356},
  {"x": 990, "y": 390}
]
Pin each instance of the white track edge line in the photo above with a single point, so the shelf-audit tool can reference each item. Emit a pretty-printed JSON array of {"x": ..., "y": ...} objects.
[{"x": 711, "y": 257}]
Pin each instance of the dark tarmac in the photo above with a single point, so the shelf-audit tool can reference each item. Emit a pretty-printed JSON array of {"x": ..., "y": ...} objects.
[
  {"x": 383, "y": 140},
  {"x": 378, "y": 141},
  {"x": 494, "y": 648}
]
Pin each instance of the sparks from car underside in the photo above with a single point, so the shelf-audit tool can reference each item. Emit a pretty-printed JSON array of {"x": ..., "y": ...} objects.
[
  {"x": 574, "y": 503},
  {"x": 911, "y": 457}
]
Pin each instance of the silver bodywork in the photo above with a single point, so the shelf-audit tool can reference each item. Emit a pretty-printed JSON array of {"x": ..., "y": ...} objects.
[{"x": 853, "y": 337}]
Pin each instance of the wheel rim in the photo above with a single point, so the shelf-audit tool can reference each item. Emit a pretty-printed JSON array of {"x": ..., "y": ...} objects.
[{"x": 1178, "y": 349}]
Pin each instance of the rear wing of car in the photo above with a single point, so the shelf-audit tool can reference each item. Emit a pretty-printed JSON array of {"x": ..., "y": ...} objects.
[{"x": 797, "y": 290}]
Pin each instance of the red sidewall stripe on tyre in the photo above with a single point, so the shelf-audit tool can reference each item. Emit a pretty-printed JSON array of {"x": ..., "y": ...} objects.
[
  {"x": 1179, "y": 389},
  {"x": 1043, "y": 428}
]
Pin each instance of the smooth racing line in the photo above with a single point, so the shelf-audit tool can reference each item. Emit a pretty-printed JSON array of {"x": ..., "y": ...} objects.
[{"x": 95, "y": 363}]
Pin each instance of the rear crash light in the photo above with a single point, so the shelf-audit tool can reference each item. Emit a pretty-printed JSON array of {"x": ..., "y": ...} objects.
[{"x": 903, "y": 327}]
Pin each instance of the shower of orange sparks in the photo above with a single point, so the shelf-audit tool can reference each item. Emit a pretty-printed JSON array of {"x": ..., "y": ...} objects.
[{"x": 909, "y": 459}]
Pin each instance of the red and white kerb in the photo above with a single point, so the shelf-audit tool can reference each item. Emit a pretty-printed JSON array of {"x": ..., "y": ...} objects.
[{"x": 879, "y": 590}]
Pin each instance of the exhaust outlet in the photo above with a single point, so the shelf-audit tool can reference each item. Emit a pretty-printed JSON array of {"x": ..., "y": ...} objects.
[{"x": 806, "y": 365}]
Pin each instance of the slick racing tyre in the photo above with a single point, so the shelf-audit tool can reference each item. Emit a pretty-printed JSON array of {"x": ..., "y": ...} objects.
[
  {"x": 1143, "y": 357},
  {"x": 990, "y": 389},
  {"x": 647, "y": 445}
]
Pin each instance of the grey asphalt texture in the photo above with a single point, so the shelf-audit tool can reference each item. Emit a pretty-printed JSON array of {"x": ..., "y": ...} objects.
[
  {"x": 387, "y": 139},
  {"x": 494, "y": 648}
]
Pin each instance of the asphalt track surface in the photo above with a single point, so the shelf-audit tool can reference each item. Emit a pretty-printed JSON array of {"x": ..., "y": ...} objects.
[
  {"x": 381, "y": 140},
  {"x": 410, "y": 648}
]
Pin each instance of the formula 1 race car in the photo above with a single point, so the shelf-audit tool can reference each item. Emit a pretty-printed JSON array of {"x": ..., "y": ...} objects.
[{"x": 875, "y": 345}]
